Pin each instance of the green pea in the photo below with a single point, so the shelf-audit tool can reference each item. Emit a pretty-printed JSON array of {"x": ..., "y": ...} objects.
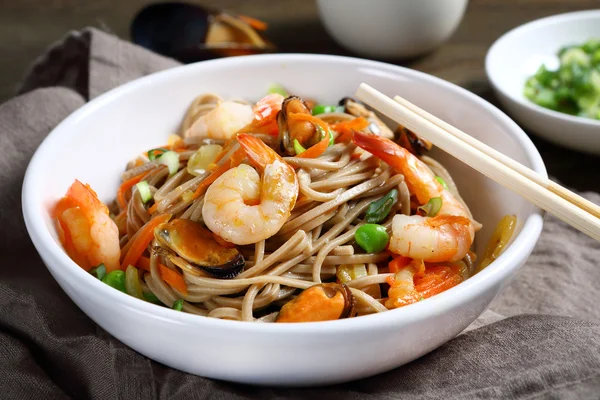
[
  {"x": 116, "y": 279},
  {"x": 178, "y": 305},
  {"x": 372, "y": 238}
]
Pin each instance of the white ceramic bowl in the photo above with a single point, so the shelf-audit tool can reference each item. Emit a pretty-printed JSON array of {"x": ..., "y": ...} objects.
[
  {"x": 519, "y": 53},
  {"x": 95, "y": 142},
  {"x": 391, "y": 28}
]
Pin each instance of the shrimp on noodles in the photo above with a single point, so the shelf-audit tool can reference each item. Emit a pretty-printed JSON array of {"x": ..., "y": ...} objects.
[
  {"x": 243, "y": 208},
  {"x": 448, "y": 235}
]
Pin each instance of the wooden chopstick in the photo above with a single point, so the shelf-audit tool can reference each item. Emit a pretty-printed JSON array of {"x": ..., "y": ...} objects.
[
  {"x": 558, "y": 201},
  {"x": 509, "y": 162}
]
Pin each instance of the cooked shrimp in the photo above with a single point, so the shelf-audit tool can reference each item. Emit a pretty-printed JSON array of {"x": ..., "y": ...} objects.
[
  {"x": 445, "y": 237},
  {"x": 241, "y": 206},
  {"x": 86, "y": 231},
  {"x": 224, "y": 121}
]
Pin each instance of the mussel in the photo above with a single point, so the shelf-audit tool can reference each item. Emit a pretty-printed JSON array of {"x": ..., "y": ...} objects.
[
  {"x": 191, "y": 247},
  {"x": 321, "y": 302},
  {"x": 411, "y": 142},
  {"x": 357, "y": 109},
  {"x": 289, "y": 130},
  {"x": 188, "y": 32}
]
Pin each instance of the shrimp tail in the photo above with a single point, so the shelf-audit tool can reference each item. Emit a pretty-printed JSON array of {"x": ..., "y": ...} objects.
[
  {"x": 386, "y": 150},
  {"x": 259, "y": 154}
]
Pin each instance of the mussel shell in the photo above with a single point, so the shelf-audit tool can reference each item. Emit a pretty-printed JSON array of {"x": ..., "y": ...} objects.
[
  {"x": 179, "y": 30},
  {"x": 287, "y": 142},
  {"x": 227, "y": 271},
  {"x": 413, "y": 143},
  {"x": 330, "y": 290},
  {"x": 191, "y": 246},
  {"x": 172, "y": 29}
]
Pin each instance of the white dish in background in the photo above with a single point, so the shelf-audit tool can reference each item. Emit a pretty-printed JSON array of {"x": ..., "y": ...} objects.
[
  {"x": 519, "y": 53},
  {"x": 141, "y": 114},
  {"x": 391, "y": 28}
]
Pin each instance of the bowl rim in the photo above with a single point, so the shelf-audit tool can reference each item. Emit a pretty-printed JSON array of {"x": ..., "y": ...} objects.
[
  {"x": 57, "y": 261},
  {"x": 525, "y": 29}
]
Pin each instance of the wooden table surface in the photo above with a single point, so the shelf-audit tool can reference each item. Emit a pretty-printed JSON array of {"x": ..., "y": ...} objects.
[{"x": 28, "y": 26}]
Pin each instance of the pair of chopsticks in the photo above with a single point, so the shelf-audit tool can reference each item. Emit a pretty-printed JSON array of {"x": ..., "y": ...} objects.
[{"x": 555, "y": 199}]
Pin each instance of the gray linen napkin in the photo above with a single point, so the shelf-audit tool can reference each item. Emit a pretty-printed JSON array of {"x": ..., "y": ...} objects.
[{"x": 540, "y": 338}]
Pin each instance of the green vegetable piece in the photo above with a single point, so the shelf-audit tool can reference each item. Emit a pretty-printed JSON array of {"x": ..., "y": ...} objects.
[
  {"x": 545, "y": 98},
  {"x": 442, "y": 182},
  {"x": 277, "y": 89},
  {"x": 99, "y": 271},
  {"x": 116, "y": 279},
  {"x": 379, "y": 209},
  {"x": 372, "y": 238},
  {"x": 151, "y": 298},
  {"x": 298, "y": 147},
  {"x": 575, "y": 56},
  {"x": 144, "y": 190},
  {"x": 596, "y": 57},
  {"x": 591, "y": 46},
  {"x": 178, "y": 305},
  {"x": 322, "y": 135},
  {"x": 432, "y": 207},
  {"x": 171, "y": 160},
  {"x": 132, "y": 282},
  {"x": 322, "y": 109},
  {"x": 152, "y": 153}
]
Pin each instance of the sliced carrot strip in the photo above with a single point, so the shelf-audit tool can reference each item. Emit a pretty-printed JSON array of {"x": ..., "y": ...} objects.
[
  {"x": 316, "y": 150},
  {"x": 437, "y": 279},
  {"x": 127, "y": 185},
  {"x": 152, "y": 209},
  {"x": 141, "y": 240},
  {"x": 173, "y": 278},
  {"x": 346, "y": 128}
]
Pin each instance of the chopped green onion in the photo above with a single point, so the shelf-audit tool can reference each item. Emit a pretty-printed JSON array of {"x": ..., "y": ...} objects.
[
  {"x": 171, "y": 160},
  {"x": 178, "y": 305},
  {"x": 432, "y": 207},
  {"x": 115, "y": 279},
  {"x": 144, "y": 190},
  {"x": 99, "y": 271},
  {"x": 322, "y": 109},
  {"x": 132, "y": 282},
  {"x": 442, "y": 182},
  {"x": 152, "y": 153},
  {"x": 378, "y": 210},
  {"x": 372, "y": 238},
  {"x": 298, "y": 147},
  {"x": 151, "y": 298},
  {"x": 277, "y": 88},
  {"x": 322, "y": 135}
]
